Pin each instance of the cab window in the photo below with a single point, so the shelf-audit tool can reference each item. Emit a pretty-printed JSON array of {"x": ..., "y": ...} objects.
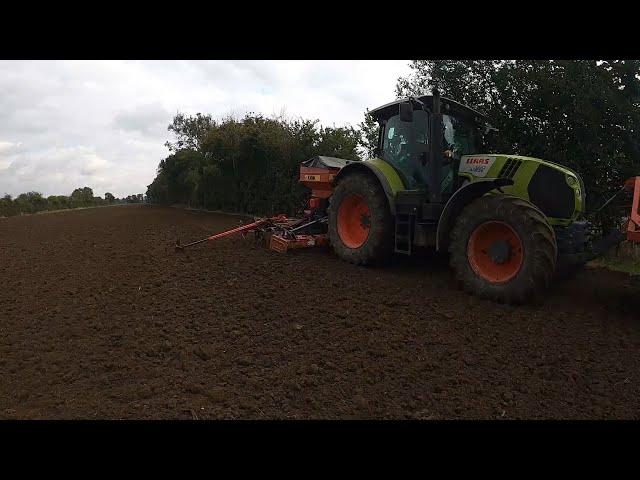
[
  {"x": 459, "y": 136},
  {"x": 404, "y": 144}
]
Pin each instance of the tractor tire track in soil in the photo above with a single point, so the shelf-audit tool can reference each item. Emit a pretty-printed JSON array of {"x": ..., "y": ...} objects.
[{"x": 100, "y": 318}]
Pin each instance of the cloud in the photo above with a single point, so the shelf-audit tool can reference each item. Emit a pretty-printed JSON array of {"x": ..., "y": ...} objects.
[
  {"x": 68, "y": 167},
  {"x": 149, "y": 120},
  {"x": 7, "y": 148},
  {"x": 103, "y": 124}
]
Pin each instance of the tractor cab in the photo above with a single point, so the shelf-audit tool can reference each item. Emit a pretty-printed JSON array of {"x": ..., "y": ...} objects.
[{"x": 424, "y": 138}]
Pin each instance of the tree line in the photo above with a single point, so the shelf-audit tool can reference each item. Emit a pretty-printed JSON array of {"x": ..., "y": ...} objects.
[
  {"x": 248, "y": 165},
  {"x": 33, "y": 202}
]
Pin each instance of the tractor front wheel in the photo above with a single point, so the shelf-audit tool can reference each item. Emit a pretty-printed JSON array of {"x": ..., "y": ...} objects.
[
  {"x": 360, "y": 223},
  {"x": 502, "y": 248}
]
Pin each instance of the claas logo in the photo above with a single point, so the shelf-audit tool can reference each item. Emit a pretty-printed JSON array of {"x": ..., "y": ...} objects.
[{"x": 477, "y": 161}]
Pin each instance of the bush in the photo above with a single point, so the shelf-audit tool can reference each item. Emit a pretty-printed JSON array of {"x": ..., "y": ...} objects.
[{"x": 248, "y": 165}]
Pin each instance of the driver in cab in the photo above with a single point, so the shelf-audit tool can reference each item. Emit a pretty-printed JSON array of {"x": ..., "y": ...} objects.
[{"x": 409, "y": 145}]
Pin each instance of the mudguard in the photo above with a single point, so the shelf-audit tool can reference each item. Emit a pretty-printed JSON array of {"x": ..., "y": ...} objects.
[
  {"x": 460, "y": 199},
  {"x": 388, "y": 178}
]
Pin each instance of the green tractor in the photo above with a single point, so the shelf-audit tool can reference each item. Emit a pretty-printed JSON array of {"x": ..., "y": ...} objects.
[{"x": 508, "y": 221}]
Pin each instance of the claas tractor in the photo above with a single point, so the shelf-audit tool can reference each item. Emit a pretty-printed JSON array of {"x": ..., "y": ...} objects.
[{"x": 508, "y": 222}]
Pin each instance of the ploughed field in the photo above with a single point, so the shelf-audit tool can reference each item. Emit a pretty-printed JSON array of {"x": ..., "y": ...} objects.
[{"x": 100, "y": 318}]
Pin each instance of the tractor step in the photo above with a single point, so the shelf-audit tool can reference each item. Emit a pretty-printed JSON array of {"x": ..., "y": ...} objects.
[{"x": 403, "y": 233}]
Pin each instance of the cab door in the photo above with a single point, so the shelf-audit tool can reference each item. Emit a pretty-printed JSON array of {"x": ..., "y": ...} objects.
[{"x": 405, "y": 146}]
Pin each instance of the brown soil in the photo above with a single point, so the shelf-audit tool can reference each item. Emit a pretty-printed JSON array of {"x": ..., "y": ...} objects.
[{"x": 99, "y": 318}]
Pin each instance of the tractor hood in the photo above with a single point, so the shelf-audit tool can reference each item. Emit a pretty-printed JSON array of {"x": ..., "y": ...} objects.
[
  {"x": 557, "y": 190},
  {"x": 480, "y": 164}
]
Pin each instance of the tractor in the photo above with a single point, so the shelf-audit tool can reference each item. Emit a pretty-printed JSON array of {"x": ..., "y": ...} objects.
[{"x": 508, "y": 222}]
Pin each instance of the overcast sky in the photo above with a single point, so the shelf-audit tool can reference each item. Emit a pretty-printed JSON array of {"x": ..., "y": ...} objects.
[{"x": 103, "y": 124}]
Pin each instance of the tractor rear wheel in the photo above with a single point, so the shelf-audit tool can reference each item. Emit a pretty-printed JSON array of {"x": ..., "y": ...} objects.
[
  {"x": 503, "y": 249},
  {"x": 360, "y": 223}
]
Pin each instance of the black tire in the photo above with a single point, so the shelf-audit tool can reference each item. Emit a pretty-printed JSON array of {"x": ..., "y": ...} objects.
[
  {"x": 539, "y": 250},
  {"x": 378, "y": 247}
]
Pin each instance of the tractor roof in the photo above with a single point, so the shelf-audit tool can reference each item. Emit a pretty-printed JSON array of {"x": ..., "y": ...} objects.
[{"x": 448, "y": 105}]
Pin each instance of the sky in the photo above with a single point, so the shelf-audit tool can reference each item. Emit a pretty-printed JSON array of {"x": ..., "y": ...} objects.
[{"x": 103, "y": 124}]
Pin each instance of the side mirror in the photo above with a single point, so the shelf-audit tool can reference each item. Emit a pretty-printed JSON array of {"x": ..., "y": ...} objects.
[{"x": 406, "y": 112}]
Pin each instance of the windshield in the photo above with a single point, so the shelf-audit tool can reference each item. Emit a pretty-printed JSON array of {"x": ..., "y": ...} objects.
[{"x": 404, "y": 144}]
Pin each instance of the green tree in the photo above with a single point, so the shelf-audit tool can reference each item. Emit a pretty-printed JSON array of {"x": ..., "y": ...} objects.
[
  {"x": 368, "y": 134},
  {"x": 58, "y": 202},
  {"x": 109, "y": 198},
  {"x": 82, "y": 197},
  {"x": 7, "y": 207},
  {"x": 189, "y": 131},
  {"x": 247, "y": 165},
  {"x": 30, "y": 202},
  {"x": 340, "y": 142}
]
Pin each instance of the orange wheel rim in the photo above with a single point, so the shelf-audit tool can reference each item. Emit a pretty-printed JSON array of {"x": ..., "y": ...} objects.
[
  {"x": 495, "y": 251},
  {"x": 354, "y": 221}
]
